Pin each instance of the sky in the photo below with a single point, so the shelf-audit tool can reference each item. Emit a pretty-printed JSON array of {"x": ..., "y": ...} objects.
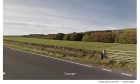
[{"x": 66, "y": 16}]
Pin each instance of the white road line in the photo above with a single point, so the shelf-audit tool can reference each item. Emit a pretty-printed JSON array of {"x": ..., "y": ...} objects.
[
  {"x": 63, "y": 60},
  {"x": 4, "y": 73},
  {"x": 51, "y": 57},
  {"x": 106, "y": 69},
  {"x": 126, "y": 74}
]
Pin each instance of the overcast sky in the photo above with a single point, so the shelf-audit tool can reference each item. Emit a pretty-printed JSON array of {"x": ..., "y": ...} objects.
[{"x": 53, "y": 16}]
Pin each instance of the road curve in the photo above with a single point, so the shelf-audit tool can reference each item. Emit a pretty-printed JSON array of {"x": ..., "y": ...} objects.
[{"x": 18, "y": 65}]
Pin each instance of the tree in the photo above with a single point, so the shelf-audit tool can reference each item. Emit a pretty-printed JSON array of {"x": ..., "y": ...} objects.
[
  {"x": 86, "y": 37},
  {"x": 66, "y": 37},
  {"x": 133, "y": 38},
  {"x": 51, "y": 36},
  {"x": 59, "y": 36},
  {"x": 76, "y": 36},
  {"x": 117, "y": 38},
  {"x": 110, "y": 37},
  {"x": 97, "y": 37},
  {"x": 124, "y": 38},
  {"x": 128, "y": 37}
]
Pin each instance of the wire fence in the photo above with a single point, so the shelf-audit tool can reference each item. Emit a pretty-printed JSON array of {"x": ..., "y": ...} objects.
[{"x": 123, "y": 56}]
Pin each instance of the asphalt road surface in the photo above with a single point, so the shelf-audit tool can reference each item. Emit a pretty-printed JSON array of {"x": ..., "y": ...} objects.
[{"x": 20, "y": 65}]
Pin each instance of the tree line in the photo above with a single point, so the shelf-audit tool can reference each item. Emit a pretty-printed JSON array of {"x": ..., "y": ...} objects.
[{"x": 108, "y": 36}]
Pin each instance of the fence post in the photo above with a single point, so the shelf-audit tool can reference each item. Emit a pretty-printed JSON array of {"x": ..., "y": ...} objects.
[
  {"x": 104, "y": 53},
  {"x": 121, "y": 55}
]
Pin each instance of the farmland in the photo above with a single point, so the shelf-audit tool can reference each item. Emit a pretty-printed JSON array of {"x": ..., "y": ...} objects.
[
  {"x": 76, "y": 44},
  {"x": 71, "y": 50}
]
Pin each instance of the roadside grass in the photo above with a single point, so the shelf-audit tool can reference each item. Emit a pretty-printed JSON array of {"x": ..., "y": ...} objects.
[
  {"x": 105, "y": 63},
  {"x": 76, "y": 44}
]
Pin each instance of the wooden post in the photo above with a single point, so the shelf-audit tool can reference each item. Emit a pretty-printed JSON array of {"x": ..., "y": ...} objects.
[{"x": 104, "y": 54}]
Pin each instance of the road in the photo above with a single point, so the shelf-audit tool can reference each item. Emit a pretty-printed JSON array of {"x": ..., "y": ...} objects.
[{"x": 18, "y": 65}]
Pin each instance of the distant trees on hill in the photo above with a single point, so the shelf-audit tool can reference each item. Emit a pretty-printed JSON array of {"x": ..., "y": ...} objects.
[
  {"x": 107, "y": 36},
  {"x": 129, "y": 37}
]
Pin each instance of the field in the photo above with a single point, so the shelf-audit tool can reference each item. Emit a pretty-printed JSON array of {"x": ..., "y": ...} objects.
[
  {"x": 120, "y": 64},
  {"x": 129, "y": 30},
  {"x": 77, "y": 44}
]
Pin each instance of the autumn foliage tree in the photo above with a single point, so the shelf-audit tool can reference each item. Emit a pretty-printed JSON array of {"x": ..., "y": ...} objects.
[
  {"x": 107, "y": 36},
  {"x": 128, "y": 38}
]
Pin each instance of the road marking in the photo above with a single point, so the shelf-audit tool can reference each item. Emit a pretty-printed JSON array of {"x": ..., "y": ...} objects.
[
  {"x": 64, "y": 60},
  {"x": 4, "y": 73},
  {"x": 50, "y": 57},
  {"x": 106, "y": 69},
  {"x": 126, "y": 74}
]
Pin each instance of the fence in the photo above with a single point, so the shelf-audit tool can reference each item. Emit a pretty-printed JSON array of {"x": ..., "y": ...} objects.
[{"x": 119, "y": 55}]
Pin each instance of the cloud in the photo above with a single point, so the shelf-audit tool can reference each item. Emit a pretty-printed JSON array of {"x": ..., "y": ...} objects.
[{"x": 39, "y": 19}]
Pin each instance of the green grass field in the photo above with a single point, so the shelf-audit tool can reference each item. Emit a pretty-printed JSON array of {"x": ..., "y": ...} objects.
[
  {"x": 129, "y": 30},
  {"x": 77, "y": 44},
  {"x": 107, "y": 63}
]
